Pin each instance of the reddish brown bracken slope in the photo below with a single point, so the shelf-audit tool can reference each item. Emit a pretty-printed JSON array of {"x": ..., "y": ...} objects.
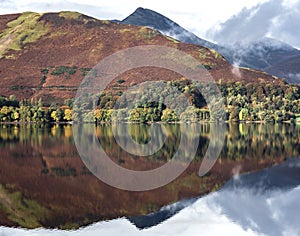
[{"x": 31, "y": 42}]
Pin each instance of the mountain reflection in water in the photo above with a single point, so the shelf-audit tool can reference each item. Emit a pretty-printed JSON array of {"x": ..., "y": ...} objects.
[{"x": 44, "y": 182}]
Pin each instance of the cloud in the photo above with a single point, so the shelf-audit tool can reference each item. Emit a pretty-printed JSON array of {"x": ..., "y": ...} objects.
[
  {"x": 235, "y": 69},
  {"x": 278, "y": 19},
  {"x": 12, "y": 6},
  {"x": 6, "y": 5}
]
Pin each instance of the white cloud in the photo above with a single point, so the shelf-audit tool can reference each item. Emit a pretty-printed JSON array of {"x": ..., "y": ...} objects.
[{"x": 278, "y": 19}]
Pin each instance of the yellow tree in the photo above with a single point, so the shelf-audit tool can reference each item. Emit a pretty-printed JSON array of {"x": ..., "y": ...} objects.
[
  {"x": 54, "y": 116},
  {"x": 68, "y": 113}
]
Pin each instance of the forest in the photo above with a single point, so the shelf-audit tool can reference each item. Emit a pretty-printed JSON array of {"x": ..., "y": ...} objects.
[{"x": 251, "y": 102}]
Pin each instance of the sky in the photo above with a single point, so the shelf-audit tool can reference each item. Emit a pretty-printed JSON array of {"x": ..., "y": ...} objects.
[{"x": 219, "y": 21}]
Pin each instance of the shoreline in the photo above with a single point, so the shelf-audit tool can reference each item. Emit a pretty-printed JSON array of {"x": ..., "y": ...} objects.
[{"x": 157, "y": 122}]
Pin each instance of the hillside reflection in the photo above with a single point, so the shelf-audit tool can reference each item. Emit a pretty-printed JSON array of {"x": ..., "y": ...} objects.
[{"x": 44, "y": 182}]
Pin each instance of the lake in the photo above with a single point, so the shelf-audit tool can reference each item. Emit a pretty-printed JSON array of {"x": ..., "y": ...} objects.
[{"x": 45, "y": 183}]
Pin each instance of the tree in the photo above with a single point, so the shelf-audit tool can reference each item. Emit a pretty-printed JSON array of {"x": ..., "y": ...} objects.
[
  {"x": 5, "y": 113},
  {"x": 57, "y": 115},
  {"x": 15, "y": 115},
  {"x": 68, "y": 114},
  {"x": 244, "y": 114},
  {"x": 233, "y": 113},
  {"x": 98, "y": 113},
  {"x": 168, "y": 115},
  {"x": 138, "y": 115},
  {"x": 54, "y": 116}
]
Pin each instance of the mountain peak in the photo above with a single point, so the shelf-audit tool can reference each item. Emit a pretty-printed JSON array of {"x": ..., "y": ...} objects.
[
  {"x": 141, "y": 9},
  {"x": 146, "y": 17}
]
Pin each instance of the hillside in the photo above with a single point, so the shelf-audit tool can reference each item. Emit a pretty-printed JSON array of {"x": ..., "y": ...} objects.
[
  {"x": 288, "y": 68},
  {"x": 47, "y": 55},
  {"x": 270, "y": 55},
  {"x": 263, "y": 54}
]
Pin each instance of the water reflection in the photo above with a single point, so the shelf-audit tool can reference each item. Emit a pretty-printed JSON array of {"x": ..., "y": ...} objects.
[
  {"x": 97, "y": 157},
  {"x": 44, "y": 182}
]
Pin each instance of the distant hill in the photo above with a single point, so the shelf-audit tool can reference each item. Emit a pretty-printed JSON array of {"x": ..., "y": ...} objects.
[
  {"x": 48, "y": 55},
  {"x": 263, "y": 54},
  {"x": 287, "y": 69},
  {"x": 270, "y": 55}
]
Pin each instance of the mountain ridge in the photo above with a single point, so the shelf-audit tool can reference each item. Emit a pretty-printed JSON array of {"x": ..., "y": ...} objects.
[
  {"x": 260, "y": 54},
  {"x": 146, "y": 17}
]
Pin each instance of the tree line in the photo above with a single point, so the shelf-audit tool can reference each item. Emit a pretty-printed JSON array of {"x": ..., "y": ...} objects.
[{"x": 266, "y": 102}]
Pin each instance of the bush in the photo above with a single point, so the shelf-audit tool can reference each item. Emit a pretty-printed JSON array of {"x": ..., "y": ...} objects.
[
  {"x": 45, "y": 71},
  {"x": 43, "y": 79},
  {"x": 60, "y": 70},
  {"x": 121, "y": 81},
  {"x": 119, "y": 93},
  {"x": 58, "y": 171},
  {"x": 16, "y": 87},
  {"x": 85, "y": 71}
]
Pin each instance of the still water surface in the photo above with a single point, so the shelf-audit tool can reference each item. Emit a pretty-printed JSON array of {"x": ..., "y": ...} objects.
[{"x": 44, "y": 182}]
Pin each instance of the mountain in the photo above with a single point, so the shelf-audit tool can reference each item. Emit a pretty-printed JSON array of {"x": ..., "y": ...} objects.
[
  {"x": 264, "y": 54},
  {"x": 48, "y": 55},
  {"x": 287, "y": 69},
  {"x": 270, "y": 55},
  {"x": 152, "y": 19}
]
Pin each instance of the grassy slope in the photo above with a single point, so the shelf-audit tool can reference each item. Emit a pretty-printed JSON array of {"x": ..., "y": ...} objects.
[
  {"x": 34, "y": 42},
  {"x": 25, "y": 29}
]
